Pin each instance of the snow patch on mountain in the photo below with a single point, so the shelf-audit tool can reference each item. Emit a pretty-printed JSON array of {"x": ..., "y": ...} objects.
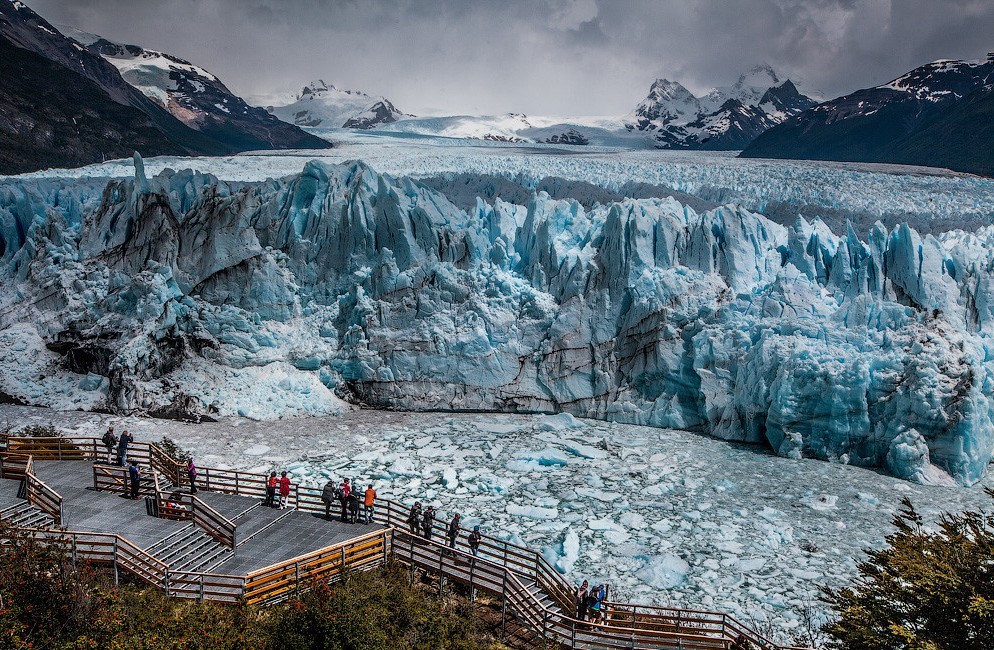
[
  {"x": 724, "y": 118},
  {"x": 320, "y": 104}
]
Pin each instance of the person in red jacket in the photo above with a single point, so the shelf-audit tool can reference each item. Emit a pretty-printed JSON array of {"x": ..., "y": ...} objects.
[
  {"x": 271, "y": 486},
  {"x": 284, "y": 489}
]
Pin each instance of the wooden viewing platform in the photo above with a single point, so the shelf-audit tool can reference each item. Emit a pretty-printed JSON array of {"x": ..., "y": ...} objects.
[{"x": 224, "y": 545}]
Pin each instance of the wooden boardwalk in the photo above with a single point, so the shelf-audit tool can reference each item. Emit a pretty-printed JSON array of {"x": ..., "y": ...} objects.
[{"x": 225, "y": 545}]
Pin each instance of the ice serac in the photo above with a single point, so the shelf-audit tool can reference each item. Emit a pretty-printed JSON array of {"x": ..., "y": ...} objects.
[{"x": 189, "y": 295}]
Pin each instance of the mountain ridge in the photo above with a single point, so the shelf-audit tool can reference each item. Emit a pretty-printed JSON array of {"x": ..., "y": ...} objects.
[{"x": 936, "y": 115}]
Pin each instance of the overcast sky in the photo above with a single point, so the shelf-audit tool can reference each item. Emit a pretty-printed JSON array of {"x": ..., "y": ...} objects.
[{"x": 552, "y": 57}]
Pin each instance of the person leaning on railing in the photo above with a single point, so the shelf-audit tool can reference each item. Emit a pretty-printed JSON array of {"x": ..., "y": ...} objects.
[
  {"x": 271, "y": 485},
  {"x": 368, "y": 503},
  {"x": 329, "y": 495}
]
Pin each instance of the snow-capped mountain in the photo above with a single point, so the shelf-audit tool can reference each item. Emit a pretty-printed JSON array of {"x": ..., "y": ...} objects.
[
  {"x": 320, "y": 104},
  {"x": 725, "y": 118},
  {"x": 197, "y": 97},
  {"x": 48, "y": 125},
  {"x": 184, "y": 293},
  {"x": 940, "y": 114}
]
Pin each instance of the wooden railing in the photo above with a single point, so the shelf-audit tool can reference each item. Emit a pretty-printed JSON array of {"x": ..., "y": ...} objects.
[
  {"x": 191, "y": 508},
  {"x": 41, "y": 496},
  {"x": 13, "y": 465},
  {"x": 112, "y": 478},
  {"x": 264, "y": 586},
  {"x": 515, "y": 573},
  {"x": 281, "y": 580}
]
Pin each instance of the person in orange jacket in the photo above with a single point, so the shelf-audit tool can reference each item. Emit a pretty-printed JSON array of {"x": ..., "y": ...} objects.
[{"x": 368, "y": 501}]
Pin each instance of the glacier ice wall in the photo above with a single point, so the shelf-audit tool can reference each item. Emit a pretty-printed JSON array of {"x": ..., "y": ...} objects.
[{"x": 185, "y": 294}]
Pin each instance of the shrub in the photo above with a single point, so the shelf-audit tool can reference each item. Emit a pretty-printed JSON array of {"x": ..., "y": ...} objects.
[
  {"x": 48, "y": 602},
  {"x": 925, "y": 590},
  {"x": 174, "y": 451}
]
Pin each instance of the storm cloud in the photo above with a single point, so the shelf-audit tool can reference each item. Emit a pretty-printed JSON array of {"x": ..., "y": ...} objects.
[{"x": 554, "y": 57}]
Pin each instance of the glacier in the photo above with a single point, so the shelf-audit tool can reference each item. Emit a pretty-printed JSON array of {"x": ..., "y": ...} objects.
[{"x": 187, "y": 295}]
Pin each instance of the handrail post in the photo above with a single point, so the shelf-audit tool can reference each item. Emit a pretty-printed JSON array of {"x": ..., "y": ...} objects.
[
  {"x": 441, "y": 572},
  {"x": 296, "y": 577},
  {"x": 115, "y": 561},
  {"x": 503, "y": 597}
]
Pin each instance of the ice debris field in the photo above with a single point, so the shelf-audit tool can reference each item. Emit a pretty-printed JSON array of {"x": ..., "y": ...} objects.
[{"x": 663, "y": 516}]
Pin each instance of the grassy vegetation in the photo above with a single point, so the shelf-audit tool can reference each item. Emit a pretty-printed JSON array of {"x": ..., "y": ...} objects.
[{"x": 48, "y": 603}]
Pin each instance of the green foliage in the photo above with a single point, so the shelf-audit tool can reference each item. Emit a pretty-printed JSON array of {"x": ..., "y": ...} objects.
[
  {"x": 38, "y": 431},
  {"x": 173, "y": 450},
  {"x": 925, "y": 590},
  {"x": 47, "y": 602},
  {"x": 375, "y": 610}
]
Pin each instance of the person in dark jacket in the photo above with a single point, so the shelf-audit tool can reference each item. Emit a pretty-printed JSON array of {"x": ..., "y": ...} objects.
[
  {"x": 353, "y": 506},
  {"x": 414, "y": 519},
  {"x": 475, "y": 538},
  {"x": 329, "y": 495},
  {"x": 122, "y": 447},
  {"x": 134, "y": 477},
  {"x": 454, "y": 530},
  {"x": 428, "y": 522}
]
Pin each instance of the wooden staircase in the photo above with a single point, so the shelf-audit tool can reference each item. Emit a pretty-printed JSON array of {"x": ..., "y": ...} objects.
[{"x": 532, "y": 592}]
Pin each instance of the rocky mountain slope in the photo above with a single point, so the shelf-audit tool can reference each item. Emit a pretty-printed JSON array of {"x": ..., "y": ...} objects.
[
  {"x": 53, "y": 117},
  {"x": 186, "y": 294},
  {"x": 320, "y": 104},
  {"x": 23, "y": 28},
  {"x": 198, "y": 98},
  {"x": 937, "y": 115},
  {"x": 725, "y": 118}
]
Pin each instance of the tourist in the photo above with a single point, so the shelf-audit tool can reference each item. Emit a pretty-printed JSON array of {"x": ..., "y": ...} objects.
[
  {"x": 329, "y": 494},
  {"x": 581, "y": 600},
  {"x": 597, "y": 606},
  {"x": 134, "y": 476},
  {"x": 122, "y": 447},
  {"x": 110, "y": 441},
  {"x": 191, "y": 471},
  {"x": 414, "y": 519},
  {"x": 368, "y": 502},
  {"x": 343, "y": 497},
  {"x": 284, "y": 490},
  {"x": 271, "y": 490},
  {"x": 354, "y": 503},
  {"x": 474, "y": 541},
  {"x": 428, "y": 522},
  {"x": 453, "y": 530}
]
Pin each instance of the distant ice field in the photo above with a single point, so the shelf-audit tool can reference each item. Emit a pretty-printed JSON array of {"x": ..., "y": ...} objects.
[
  {"x": 780, "y": 189},
  {"x": 664, "y": 516}
]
